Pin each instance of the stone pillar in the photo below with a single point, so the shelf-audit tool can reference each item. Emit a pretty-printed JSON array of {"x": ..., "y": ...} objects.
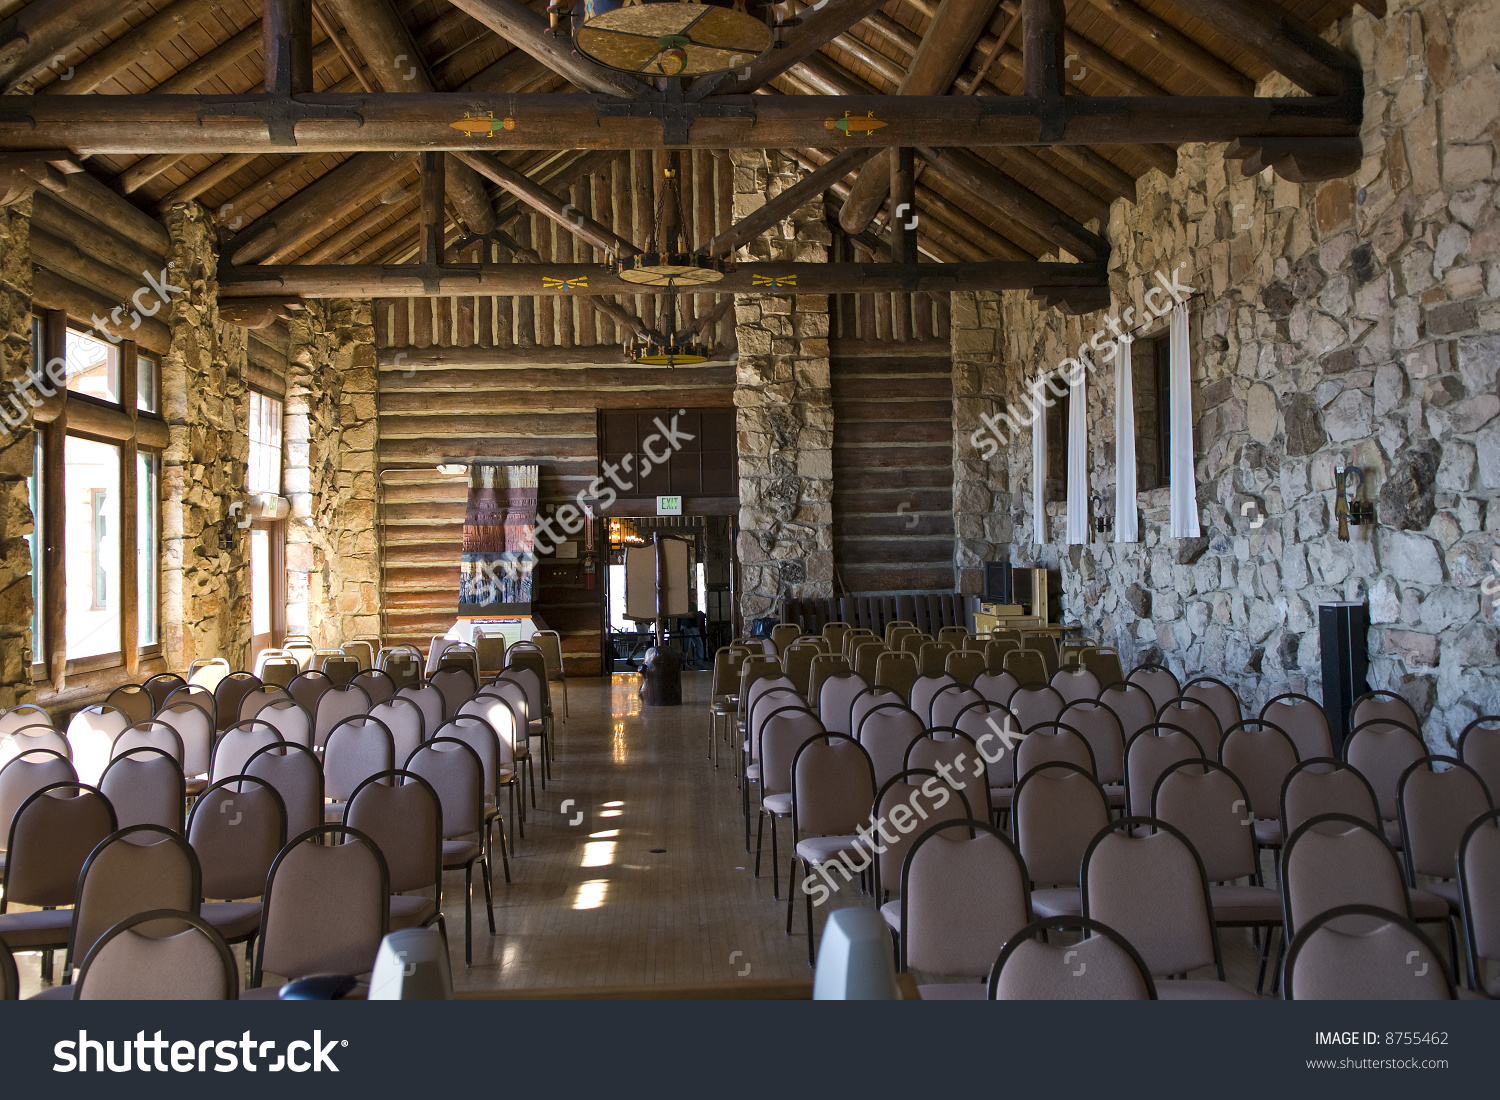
[
  {"x": 784, "y": 398},
  {"x": 333, "y": 565},
  {"x": 15, "y": 453},
  {"x": 205, "y": 590}
]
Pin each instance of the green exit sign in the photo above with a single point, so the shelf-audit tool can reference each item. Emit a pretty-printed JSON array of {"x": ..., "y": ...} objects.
[{"x": 669, "y": 506}]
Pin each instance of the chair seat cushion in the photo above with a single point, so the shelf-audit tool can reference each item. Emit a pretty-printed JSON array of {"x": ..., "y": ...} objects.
[
  {"x": 456, "y": 853},
  {"x": 954, "y": 991},
  {"x": 753, "y": 773},
  {"x": 264, "y": 993},
  {"x": 234, "y": 920},
  {"x": 1447, "y": 889},
  {"x": 40, "y": 928},
  {"x": 1059, "y": 901},
  {"x": 56, "y": 993},
  {"x": 778, "y": 803},
  {"x": 411, "y": 911},
  {"x": 1268, "y": 832},
  {"x": 818, "y": 850},
  {"x": 1114, "y": 794},
  {"x": 1201, "y": 991},
  {"x": 1428, "y": 905},
  {"x": 891, "y": 911},
  {"x": 1235, "y": 903},
  {"x": 1002, "y": 797},
  {"x": 1392, "y": 831}
]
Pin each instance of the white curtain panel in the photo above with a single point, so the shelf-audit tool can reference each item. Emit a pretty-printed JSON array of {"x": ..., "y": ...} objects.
[
  {"x": 1184, "y": 490},
  {"x": 1078, "y": 460},
  {"x": 1126, "y": 527},
  {"x": 1038, "y": 468}
]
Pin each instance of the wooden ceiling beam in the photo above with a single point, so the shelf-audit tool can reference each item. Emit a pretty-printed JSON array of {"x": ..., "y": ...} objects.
[
  {"x": 400, "y": 122},
  {"x": 1169, "y": 41},
  {"x": 408, "y": 281},
  {"x": 546, "y": 203},
  {"x": 381, "y": 37},
  {"x": 211, "y": 64},
  {"x": 286, "y": 46},
  {"x": 783, "y": 205},
  {"x": 948, "y": 41},
  {"x": 816, "y": 29},
  {"x": 1282, "y": 42},
  {"x": 34, "y": 36},
  {"x": 1042, "y": 47},
  {"x": 367, "y": 223},
  {"x": 525, "y": 29},
  {"x": 207, "y": 179},
  {"x": 130, "y": 47}
]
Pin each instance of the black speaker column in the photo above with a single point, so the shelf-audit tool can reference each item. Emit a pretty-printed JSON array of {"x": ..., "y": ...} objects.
[{"x": 1343, "y": 636}]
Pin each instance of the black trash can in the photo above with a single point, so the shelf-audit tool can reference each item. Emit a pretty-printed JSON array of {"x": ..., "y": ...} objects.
[{"x": 661, "y": 677}]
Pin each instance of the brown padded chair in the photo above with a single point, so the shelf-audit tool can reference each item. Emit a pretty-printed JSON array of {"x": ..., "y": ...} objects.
[
  {"x": 935, "y": 802},
  {"x": 27, "y": 738},
  {"x": 1075, "y": 683},
  {"x": 1158, "y": 681},
  {"x": 1479, "y": 887},
  {"x": 327, "y": 907},
  {"x": 454, "y": 771},
  {"x": 238, "y": 744},
  {"x": 160, "y": 686},
  {"x": 237, "y": 827},
  {"x": 948, "y": 703},
  {"x": 335, "y": 706},
  {"x": 836, "y": 699},
  {"x": 1436, "y": 808},
  {"x": 834, "y": 632},
  {"x": 1383, "y": 706},
  {"x": 298, "y": 778},
  {"x": 964, "y": 894},
  {"x": 1142, "y": 877},
  {"x": 135, "y": 701},
  {"x": 23, "y": 714},
  {"x": 1364, "y": 953},
  {"x": 149, "y": 734},
  {"x": 1033, "y": 704},
  {"x": 340, "y": 668},
  {"x": 307, "y": 688},
  {"x": 1323, "y": 785},
  {"x": 131, "y": 871},
  {"x": 1132, "y": 705},
  {"x": 1030, "y": 968},
  {"x": 964, "y": 665},
  {"x": 1101, "y": 728},
  {"x": 480, "y": 726},
  {"x": 796, "y": 662},
  {"x": 1209, "y": 804},
  {"x": 1105, "y": 664},
  {"x": 865, "y": 656},
  {"x": 912, "y": 642},
  {"x": 400, "y": 812},
  {"x": 23, "y": 776},
  {"x": 783, "y": 634},
  {"x": 833, "y": 787},
  {"x": 1303, "y": 720},
  {"x": 1479, "y": 748},
  {"x": 722, "y": 695},
  {"x": 954, "y": 755},
  {"x": 777, "y": 739},
  {"x": 376, "y": 684},
  {"x": 230, "y": 692},
  {"x": 10, "y": 980},
  {"x": 1219, "y": 697},
  {"x": 196, "y": 728},
  {"x": 358, "y": 747},
  {"x": 1382, "y": 750},
  {"x": 995, "y": 650},
  {"x": 924, "y": 690},
  {"x": 1046, "y": 647},
  {"x": 1261, "y": 757},
  {"x": 886, "y": 732},
  {"x": 406, "y": 722},
  {"x": 1027, "y": 666},
  {"x": 1057, "y": 810},
  {"x": 192, "y": 965},
  {"x": 996, "y": 732},
  {"x": 550, "y": 643},
  {"x": 51, "y": 837},
  {"x": 1198, "y": 719},
  {"x": 145, "y": 786},
  {"x": 932, "y": 658},
  {"x": 1147, "y": 756},
  {"x": 896, "y": 671},
  {"x": 824, "y": 666},
  {"x": 997, "y": 687}
]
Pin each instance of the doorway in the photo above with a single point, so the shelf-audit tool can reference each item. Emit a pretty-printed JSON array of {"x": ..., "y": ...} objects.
[{"x": 709, "y": 623}]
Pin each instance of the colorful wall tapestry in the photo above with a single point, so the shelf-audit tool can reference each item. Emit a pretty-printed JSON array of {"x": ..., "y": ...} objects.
[{"x": 499, "y": 525}]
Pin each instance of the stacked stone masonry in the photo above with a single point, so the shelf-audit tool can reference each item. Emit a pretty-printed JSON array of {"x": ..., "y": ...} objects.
[{"x": 1350, "y": 322}]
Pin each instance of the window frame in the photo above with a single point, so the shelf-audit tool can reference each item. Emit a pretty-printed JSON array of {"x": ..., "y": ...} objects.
[
  {"x": 133, "y": 431},
  {"x": 275, "y": 528},
  {"x": 1159, "y": 343}
]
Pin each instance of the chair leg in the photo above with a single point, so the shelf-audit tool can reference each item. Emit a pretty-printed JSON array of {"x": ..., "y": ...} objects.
[
  {"x": 775, "y": 862},
  {"x": 566, "y": 712},
  {"x": 489, "y": 891},
  {"x": 504, "y": 855},
  {"x": 47, "y": 966},
  {"x": 468, "y": 914},
  {"x": 1265, "y": 954},
  {"x": 531, "y": 775},
  {"x": 807, "y": 904},
  {"x": 745, "y": 809},
  {"x": 791, "y": 894},
  {"x": 760, "y": 824}
]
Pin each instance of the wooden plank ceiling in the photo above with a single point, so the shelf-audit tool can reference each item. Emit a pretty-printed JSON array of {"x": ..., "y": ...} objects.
[{"x": 1114, "y": 47}]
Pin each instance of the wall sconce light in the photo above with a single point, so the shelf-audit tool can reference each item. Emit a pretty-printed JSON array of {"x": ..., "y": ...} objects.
[
  {"x": 1346, "y": 504},
  {"x": 452, "y": 469},
  {"x": 1102, "y": 521}
]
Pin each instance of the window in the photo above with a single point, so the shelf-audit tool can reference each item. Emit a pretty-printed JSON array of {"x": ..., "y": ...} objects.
[
  {"x": 147, "y": 383},
  {"x": 93, "y": 367},
  {"x": 147, "y": 547},
  {"x": 95, "y": 489},
  {"x": 1150, "y": 378},
  {"x": 91, "y": 481},
  {"x": 37, "y": 542},
  {"x": 1057, "y": 444},
  {"x": 265, "y": 444}
]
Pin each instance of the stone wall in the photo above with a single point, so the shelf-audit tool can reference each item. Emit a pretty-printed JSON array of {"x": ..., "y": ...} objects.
[
  {"x": 15, "y": 455},
  {"x": 205, "y": 590},
  {"x": 332, "y": 554},
  {"x": 1355, "y": 321},
  {"x": 785, "y": 405},
  {"x": 982, "y": 503}
]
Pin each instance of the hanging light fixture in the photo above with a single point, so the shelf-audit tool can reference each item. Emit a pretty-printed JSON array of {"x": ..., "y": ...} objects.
[
  {"x": 668, "y": 37},
  {"x": 668, "y": 260}
]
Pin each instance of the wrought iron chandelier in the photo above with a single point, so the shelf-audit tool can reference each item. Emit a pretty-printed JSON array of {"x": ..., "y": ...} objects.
[{"x": 667, "y": 37}]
